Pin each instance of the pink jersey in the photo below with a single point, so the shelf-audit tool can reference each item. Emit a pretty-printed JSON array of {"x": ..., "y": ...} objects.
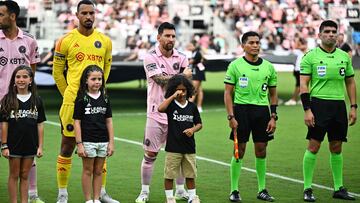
[
  {"x": 155, "y": 63},
  {"x": 22, "y": 50}
]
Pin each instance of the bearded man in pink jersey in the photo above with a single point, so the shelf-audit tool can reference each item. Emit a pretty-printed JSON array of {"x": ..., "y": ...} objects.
[
  {"x": 16, "y": 48},
  {"x": 160, "y": 65}
]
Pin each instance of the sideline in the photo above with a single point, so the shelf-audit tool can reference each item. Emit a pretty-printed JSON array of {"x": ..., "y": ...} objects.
[{"x": 226, "y": 164}]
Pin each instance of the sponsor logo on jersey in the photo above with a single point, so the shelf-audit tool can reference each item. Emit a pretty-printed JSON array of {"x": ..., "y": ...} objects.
[
  {"x": 3, "y": 60},
  {"x": 264, "y": 87},
  {"x": 342, "y": 71},
  {"x": 182, "y": 118},
  {"x": 94, "y": 57},
  {"x": 80, "y": 56},
  {"x": 162, "y": 66},
  {"x": 17, "y": 61},
  {"x": 76, "y": 45},
  {"x": 22, "y": 49},
  {"x": 321, "y": 71},
  {"x": 33, "y": 114},
  {"x": 1, "y": 49},
  {"x": 95, "y": 110},
  {"x": 97, "y": 44}
]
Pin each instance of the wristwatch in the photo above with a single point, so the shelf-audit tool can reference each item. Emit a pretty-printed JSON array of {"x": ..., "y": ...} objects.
[
  {"x": 354, "y": 106},
  {"x": 274, "y": 116},
  {"x": 229, "y": 117},
  {"x": 4, "y": 146}
]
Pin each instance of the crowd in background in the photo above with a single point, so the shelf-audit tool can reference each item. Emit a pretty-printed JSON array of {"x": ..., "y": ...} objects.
[{"x": 281, "y": 23}]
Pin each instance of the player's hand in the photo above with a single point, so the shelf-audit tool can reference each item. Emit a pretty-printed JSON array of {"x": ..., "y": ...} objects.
[
  {"x": 271, "y": 127},
  {"x": 39, "y": 152},
  {"x": 189, "y": 132},
  {"x": 352, "y": 116},
  {"x": 187, "y": 72},
  {"x": 81, "y": 150},
  {"x": 233, "y": 124},
  {"x": 110, "y": 149},
  {"x": 5, "y": 153},
  {"x": 309, "y": 118},
  {"x": 178, "y": 93}
]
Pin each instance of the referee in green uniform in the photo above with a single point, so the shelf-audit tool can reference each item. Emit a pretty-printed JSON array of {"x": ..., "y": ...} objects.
[
  {"x": 248, "y": 81},
  {"x": 325, "y": 69}
]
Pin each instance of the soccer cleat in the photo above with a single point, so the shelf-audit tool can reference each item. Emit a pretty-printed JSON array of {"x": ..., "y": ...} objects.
[
  {"x": 195, "y": 199},
  {"x": 142, "y": 198},
  {"x": 106, "y": 198},
  {"x": 170, "y": 200},
  {"x": 264, "y": 195},
  {"x": 62, "y": 199},
  {"x": 97, "y": 201},
  {"x": 181, "y": 195},
  {"x": 35, "y": 199},
  {"x": 308, "y": 195},
  {"x": 235, "y": 196},
  {"x": 290, "y": 102},
  {"x": 342, "y": 193}
]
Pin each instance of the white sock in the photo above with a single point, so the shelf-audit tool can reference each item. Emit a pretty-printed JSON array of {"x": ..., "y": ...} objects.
[
  {"x": 89, "y": 201},
  {"x": 169, "y": 193},
  {"x": 145, "y": 188},
  {"x": 33, "y": 193},
  {"x": 180, "y": 187},
  {"x": 97, "y": 201},
  {"x": 102, "y": 191},
  {"x": 192, "y": 193},
  {"x": 63, "y": 191}
]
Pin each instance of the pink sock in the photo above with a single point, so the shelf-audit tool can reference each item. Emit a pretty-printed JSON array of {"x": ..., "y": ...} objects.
[
  {"x": 180, "y": 180},
  {"x": 147, "y": 167},
  {"x": 32, "y": 180}
]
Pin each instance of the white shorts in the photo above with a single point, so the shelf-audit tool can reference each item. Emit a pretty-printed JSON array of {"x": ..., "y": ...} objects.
[
  {"x": 155, "y": 135},
  {"x": 95, "y": 149}
]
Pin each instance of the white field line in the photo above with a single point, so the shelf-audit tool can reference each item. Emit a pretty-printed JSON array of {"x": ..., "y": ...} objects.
[{"x": 228, "y": 165}]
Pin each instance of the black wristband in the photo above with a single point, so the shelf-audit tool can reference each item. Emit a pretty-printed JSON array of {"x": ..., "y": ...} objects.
[
  {"x": 273, "y": 108},
  {"x": 354, "y": 106},
  {"x": 305, "y": 100}
]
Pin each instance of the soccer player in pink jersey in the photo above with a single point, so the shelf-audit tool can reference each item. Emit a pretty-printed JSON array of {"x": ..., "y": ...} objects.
[
  {"x": 16, "y": 48},
  {"x": 160, "y": 65}
]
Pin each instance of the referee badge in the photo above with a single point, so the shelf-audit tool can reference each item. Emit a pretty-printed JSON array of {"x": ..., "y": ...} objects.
[
  {"x": 342, "y": 71},
  {"x": 243, "y": 82},
  {"x": 97, "y": 44},
  {"x": 321, "y": 71}
]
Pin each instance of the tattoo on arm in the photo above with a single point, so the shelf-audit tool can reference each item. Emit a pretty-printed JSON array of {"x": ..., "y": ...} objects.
[{"x": 161, "y": 80}]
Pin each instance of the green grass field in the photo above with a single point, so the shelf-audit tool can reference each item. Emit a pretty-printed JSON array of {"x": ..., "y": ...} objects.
[{"x": 214, "y": 149}]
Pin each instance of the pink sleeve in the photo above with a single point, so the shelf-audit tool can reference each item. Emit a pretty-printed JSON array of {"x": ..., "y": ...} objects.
[
  {"x": 151, "y": 66},
  {"x": 34, "y": 52},
  {"x": 184, "y": 62}
]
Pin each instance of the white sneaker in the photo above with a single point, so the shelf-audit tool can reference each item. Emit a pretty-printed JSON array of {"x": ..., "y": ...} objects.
[
  {"x": 170, "y": 200},
  {"x": 195, "y": 199},
  {"x": 290, "y": 102},
  {"x": 97, "y": 201},
  {"x": 62, "y": 199},
  {"x": 89, "y": 201},
  {"x": 106, "y": 198},
  {"x": 142, "y": 198},
  {"x": 181, "y": 195}
]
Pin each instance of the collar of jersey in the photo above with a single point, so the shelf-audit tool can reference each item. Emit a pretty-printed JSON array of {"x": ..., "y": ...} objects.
[
  {"x": 181, "y": 105},
  {"x": 158, "y": 52},
  {"x": 257, "y": 63},
  {"x": 20, "y": 34},
  {"x": 326, "y": 51}
]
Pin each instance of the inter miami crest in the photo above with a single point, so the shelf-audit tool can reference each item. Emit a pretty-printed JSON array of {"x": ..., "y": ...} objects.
[
  {"x": 176, "y": 66},
  {"x": 97, "y": 44},
  {"x": 22, "y": 49}
]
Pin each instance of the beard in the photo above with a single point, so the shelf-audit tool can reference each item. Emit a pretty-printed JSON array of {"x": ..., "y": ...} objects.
[
  {"x": 4, "y": 27},
  {"x": 168, "y": 47},
  {"x": 88, "y": 24}
]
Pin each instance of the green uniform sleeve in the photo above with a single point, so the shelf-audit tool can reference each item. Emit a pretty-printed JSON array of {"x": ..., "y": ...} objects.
[
  {"x": 273, "y": 77},
  {"x": 349, "y": 71},
  {"x": 230, "y": 77},
  {"x": 305, "y": 65}
]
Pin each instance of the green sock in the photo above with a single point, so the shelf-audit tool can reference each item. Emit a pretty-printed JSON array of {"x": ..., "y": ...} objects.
[
  {"x": 260, "y": 164},
  {"x": 235, "y": 169},
  {"x": 336, "y": 163},
  {"x": 308, "y": 168}
]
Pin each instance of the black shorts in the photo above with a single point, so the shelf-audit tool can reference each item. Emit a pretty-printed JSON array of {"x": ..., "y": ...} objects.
[
  {"x": 331, "y": 118},
  {"x": 198, "y": 74},
  {"x": 254, "y": 119},
  {"x": 297, "y": 78}
]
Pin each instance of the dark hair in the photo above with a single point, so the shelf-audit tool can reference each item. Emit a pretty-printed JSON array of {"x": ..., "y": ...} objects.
[
  {"x": 10, "y": 101},
  {"x": 87, "y": 2},
  {"x": 177, "y": 80},
  {"x": 165, "y": 25},
  {"x": 246, "y": 35},
  {"x": 327, "y": 23},
  {"x": 83, "y": 88},
  {"x": 12, "y": 7}
]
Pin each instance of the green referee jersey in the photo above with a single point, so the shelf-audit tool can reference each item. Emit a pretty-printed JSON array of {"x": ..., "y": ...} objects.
[
  {"x": 328, "y": 72},
  {"x": 251, "y": 80}
]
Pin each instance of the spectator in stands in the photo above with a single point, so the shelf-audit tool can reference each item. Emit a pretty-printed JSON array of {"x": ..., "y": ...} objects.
[
  {"x": 301, "y": 48},
  {"x": 198, "y": 73},
  {"x": 343, "y": 45}
]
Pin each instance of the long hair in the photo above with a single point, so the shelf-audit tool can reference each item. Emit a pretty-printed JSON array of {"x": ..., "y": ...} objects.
[
  {"x": 177, "y": 80},
  {"x": 83, "y": 88},
  {"x": 10, "y": 102}
]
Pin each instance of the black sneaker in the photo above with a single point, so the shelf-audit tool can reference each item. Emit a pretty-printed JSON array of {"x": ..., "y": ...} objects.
[
  {"x": 235, "y": 196},
  {"x": 264, "y": 195},
  {"x": 308, "y": 195},
  {"x": 342, "y": 193}
]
